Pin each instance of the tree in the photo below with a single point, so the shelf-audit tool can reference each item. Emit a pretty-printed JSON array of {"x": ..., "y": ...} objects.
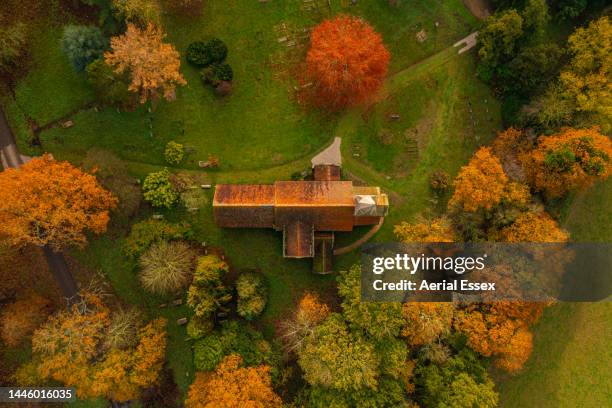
[
  {"x": 533, "y": 68},
  {"x": 111, "y": 88},
  {"x": 586, "y": 79},
  {"x": 20, "y": 318},
  {"x": 71, "y": 348},
  {"x": 535, "y": 16},
  {"x": 483, "y": 185},
  {"x": 500, "y": 329},
  {"x": 12, "y": 47},
  {"x": 309, "y": 313},
  {"x": 252, "y": 295},
  {"x": 83, "y": 44},
  {"x": 426, "y": 322},
  {"x": 435, "y": 230},
  {"x": 498, "y": 42},
  {"x": 334, "y": 357},
  {"x": 152, "y": 64},
  {"x": 207, "y": 293},
  {"x": 347, "y": 62},
  {"x": 568, "y": 160},
  {"x": 233, "y": 386},
  {"x": 51, "y": 202},
  {"x": 166, "y": 267},
  {"x": 568, "y": 9},
  {"x": 377, "y": 319},
  {"x": 461, "y": 382},
  {"x": 158, "y": 190},
  {"x": 140, "y": 12},
  {"x": 532, "y": 226}
]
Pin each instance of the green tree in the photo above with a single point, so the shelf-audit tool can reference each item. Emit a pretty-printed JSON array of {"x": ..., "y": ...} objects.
[
  {"x": 498, "y": 42},
  {"x": 532, "y": 69},
  {"x": 334, "y": 357},
  {"x": 110, "y": 88},
  {"x": 535, "y": 16},
  {"x": 83, "y": 44},
  {"x": 376, "y": 319},
  {"x": 252, "y": 295},
  {"x": 138, "y": 11}
]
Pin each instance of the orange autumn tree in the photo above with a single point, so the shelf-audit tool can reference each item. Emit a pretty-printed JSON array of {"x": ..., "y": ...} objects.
[
  {"x": 347, "y": 62},
  {"x": 152, "y": 64},
  {"x": 21, "y": 318},
  {"x": 569, "y": 160},
  {"x": 309, "y": 313},
  {"x": 534, "y": 226},
  {"x": 48, "y": 202},
  {"x": 482, "y": 185},
  {"x": 426, "y": 322},
  {"x": 233, "y": 386},
  {"x": 72, "y": 348},
  {"x": 500, "y": 330}
]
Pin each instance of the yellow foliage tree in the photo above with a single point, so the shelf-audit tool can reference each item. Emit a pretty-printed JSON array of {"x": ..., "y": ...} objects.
[
  {"x": 51, "y": 202},
  {"x": 586, "y": 80},
  {"x": 152, "y": 64},
  {"x": 425, "y": 322},
  {"x": 233, "y": 386},
  {"x": 436, "y": 230},
  {"x": 71, "y": 349}
]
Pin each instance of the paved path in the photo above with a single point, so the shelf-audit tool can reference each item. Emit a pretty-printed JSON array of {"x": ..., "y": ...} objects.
[
  {"x": 57, "y": 263},
  {"x": 469, "y": 42}
]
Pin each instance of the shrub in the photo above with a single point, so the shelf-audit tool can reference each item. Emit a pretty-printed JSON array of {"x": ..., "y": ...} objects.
[
  {"x": 147, "y": 232},
  {"x": 194, "y": 199},
  {"x": 83, "y": 44},
  {"x": 235, "y": 338},
  {"x": 251, "y": 295},
  {"x": 217, "y": 73},
  {"x": 203, "y": 54},
  {"x": 199, "y": 327},
  {"x": 174, "y": 152},
  {"x": 158, "y": 190},
  {"x": 166, "y": 267},
  {"x": 207, "y": 292},
  {"x": 185, "y": 6},
  {"x": 12, "y": 46},
  {"x": 111, "y": 88},
  {"x": 439, "y": 180},
  {"x": 21, "y": 318}
]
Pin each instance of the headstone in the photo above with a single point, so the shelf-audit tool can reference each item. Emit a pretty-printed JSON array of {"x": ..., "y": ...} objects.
[{"x": 182, "y": 321}]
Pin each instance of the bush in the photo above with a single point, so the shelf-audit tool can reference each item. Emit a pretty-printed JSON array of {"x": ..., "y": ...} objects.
[
  {"x": 83, "y": 44},
  {"x": 166, "y": 267},
  {"x": 111, "y": 88},
  {"x": 158, "y": 190},
  {"x": 217, "y": 73},
  {"x": 252, "y": 295},
  {"x": 439, "y": 180},
  {"x": 21, "y": 318},
  {"x": 192, "y": 7},
  {"x": 174, "y": 152},
  {"x": 203, "y": 54},
  {"x": 12, "y": 47},
  {"x": 147, "y": 232},
  {"x": 235, "y": 338}
]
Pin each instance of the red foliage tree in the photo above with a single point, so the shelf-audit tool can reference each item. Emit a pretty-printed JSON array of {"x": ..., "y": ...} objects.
[{"x": 347, "y": 62}]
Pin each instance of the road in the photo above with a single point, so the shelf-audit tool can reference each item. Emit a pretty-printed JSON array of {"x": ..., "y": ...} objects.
[{"x": 57, "y": 263}]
